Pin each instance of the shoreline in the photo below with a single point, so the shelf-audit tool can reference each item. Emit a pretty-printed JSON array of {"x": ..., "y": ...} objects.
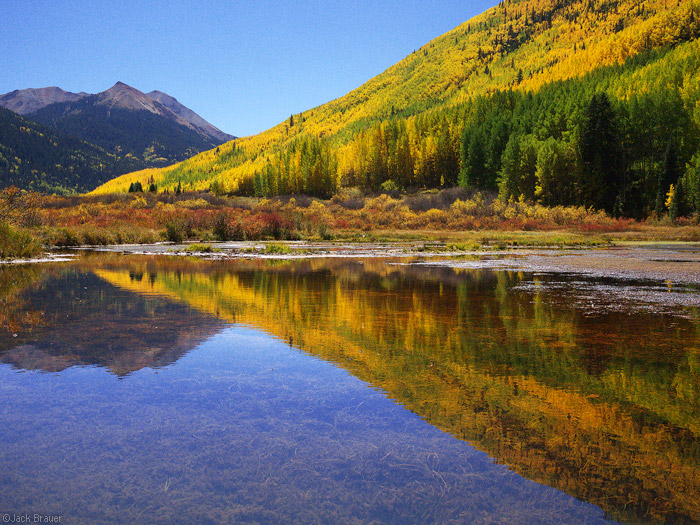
[{"x": 673, "y": 262}]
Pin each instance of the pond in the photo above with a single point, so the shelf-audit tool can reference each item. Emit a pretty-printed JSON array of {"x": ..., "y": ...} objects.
[{"x": 153, "y": 388}]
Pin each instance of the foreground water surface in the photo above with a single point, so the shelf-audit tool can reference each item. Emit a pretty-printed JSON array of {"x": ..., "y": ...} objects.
[{"x": 164, "y": 389}]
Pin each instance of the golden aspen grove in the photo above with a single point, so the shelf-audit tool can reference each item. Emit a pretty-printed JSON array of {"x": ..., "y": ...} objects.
[{"x": 524, "y": 100}]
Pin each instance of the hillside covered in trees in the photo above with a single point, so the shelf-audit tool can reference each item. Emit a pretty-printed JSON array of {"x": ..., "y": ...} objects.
[
  {"x": 38, "y": 158},
  {"x": 583, "y": 102}
]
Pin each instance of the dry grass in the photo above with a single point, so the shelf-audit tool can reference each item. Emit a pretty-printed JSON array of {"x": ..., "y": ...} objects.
[{"x": 452, "y": 215}]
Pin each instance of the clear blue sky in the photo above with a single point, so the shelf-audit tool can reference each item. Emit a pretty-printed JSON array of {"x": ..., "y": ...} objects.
[{"x": 242, "y": 65}]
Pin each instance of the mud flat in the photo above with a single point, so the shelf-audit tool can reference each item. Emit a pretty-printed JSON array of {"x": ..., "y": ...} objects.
[
  {"x": 672, "y": 263},
  {"x": 668, "y": 262}
]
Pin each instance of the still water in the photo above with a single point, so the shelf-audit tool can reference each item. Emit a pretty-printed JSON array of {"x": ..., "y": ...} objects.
[{"x": 164, "y": 389}]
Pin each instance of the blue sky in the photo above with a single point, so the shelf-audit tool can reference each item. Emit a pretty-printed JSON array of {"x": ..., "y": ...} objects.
[{"x": 243, "y": 65}]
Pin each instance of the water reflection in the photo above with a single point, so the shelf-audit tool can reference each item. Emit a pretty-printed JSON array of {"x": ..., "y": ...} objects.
[
  {"x": 70, "y": 318},
  {"x": 601, "y": 406}
]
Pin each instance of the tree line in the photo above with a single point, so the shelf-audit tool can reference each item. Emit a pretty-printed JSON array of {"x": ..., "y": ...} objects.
[{"x": 574, "y": 142}]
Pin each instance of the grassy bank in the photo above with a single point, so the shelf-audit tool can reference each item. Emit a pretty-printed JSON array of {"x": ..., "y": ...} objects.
[
  {"x": 17, "y": 244},
  {"x": 451, "y": 216}
]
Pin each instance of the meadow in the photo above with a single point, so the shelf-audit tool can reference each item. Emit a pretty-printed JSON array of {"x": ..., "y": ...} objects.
[{"x": 463, "y": 218}]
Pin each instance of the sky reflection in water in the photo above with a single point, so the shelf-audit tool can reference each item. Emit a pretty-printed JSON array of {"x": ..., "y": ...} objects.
[{"x": 244, "y": 428}]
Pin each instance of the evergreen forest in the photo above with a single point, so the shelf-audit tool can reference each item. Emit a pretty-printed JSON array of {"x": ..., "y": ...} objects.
[{"x": 37, "y": 158}]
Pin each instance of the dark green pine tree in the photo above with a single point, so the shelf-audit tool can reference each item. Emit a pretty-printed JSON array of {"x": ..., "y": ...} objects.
[
  {"x": 678, "y": 207},
  {"x": 601, "y": 154},
  {"x": 473, "y": 174},
  {"x": 670, "y": 172}
]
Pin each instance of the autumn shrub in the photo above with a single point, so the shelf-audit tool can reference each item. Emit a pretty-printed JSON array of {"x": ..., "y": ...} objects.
[
  {"x": 460, "y": 207},
  {"x": 97, "y": 237},
  {"x": 66, "y": 237},
  {"x": 420, "y": 203},
  {"x": 294, "y": 201},
  {"x": 19, "y": 208},
  {"x": 252, "y": 227},
  {"x": 390, "y": 188},
  {"x": 383, "y": 202},
  {"x": 192, "y": 203},
  {"x": 318, "y": 218},
  {"x": 178, "y": 229},
  {"x": 276, "y": 225},
  {"x": 139, "y": 203},
  {"x": 349, "y": 198},
  {"x": 352, "y": 203},
  {"x": 131, "y": 235},
  {"x": 16, "y": 243},
  {"x": 441, "y": 200},
  {"x": 227, "y": 227},
  {"x": 435, "y": 217},
  {"x": 605, "y": 226}
]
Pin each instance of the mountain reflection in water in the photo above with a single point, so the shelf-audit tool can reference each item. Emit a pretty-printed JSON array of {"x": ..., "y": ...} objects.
[{"x": 603, "y": 407}]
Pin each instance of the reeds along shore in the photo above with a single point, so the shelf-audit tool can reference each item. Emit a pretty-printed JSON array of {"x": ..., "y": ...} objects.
[{"x": 29, "y": 220}]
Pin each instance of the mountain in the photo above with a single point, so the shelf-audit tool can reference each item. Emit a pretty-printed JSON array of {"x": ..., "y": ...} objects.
[
  {"x": 116, "y": 131},
  {"x": 197, "y": 122},
  {"x": 125, "y": 121},
  {"x": 25, "y": 101},
  {"x": 514, "y": 100},
  {"x": 38, "y": 158}
]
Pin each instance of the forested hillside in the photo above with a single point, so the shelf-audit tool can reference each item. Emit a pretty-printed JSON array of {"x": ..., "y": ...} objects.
[
  {"x": 37, "y": 158},
  {"x": 593, "y": 102}
]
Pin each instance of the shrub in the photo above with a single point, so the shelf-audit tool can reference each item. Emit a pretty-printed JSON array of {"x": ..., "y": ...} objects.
[
  {"x": 227, "y": 228},
  {"x": 349, "y": 198},
  {"x": 460, "y": 207},
  {"x": 97, "y": 237},
  {"x": 67, "y": 237},
  {"x": 442, "y": 200},
  {"x": 276, "y": 225},
  {"x": 200, "y": 248},
  {"x": 192, "y": 203},
  {"x": 17, "y": 243},
  {"x": 178, "y": 229},
  {"x": 390, "y": 187},
  {"x": 277, "y": 249}
]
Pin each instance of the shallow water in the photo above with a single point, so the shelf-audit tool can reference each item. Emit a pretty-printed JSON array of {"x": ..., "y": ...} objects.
[{"x": 165, "y": 389}]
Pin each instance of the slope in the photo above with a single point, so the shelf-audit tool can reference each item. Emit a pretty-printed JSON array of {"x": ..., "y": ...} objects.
[
  {"x": 37, "y": 158},
  {"x": 424, "y": 102},
  {"x": 25, "y": 101},
  {"x": 189, "y": 116},
  {"x": 125, "y": 121}
]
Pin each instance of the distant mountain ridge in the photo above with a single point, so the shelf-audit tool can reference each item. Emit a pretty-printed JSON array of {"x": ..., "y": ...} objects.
[
  {"x": 121, "y": 95},
  {"x": 25, "y": 101},
  {"x": 189, "y": 116},
  {"x": 56, "y": 141}
]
